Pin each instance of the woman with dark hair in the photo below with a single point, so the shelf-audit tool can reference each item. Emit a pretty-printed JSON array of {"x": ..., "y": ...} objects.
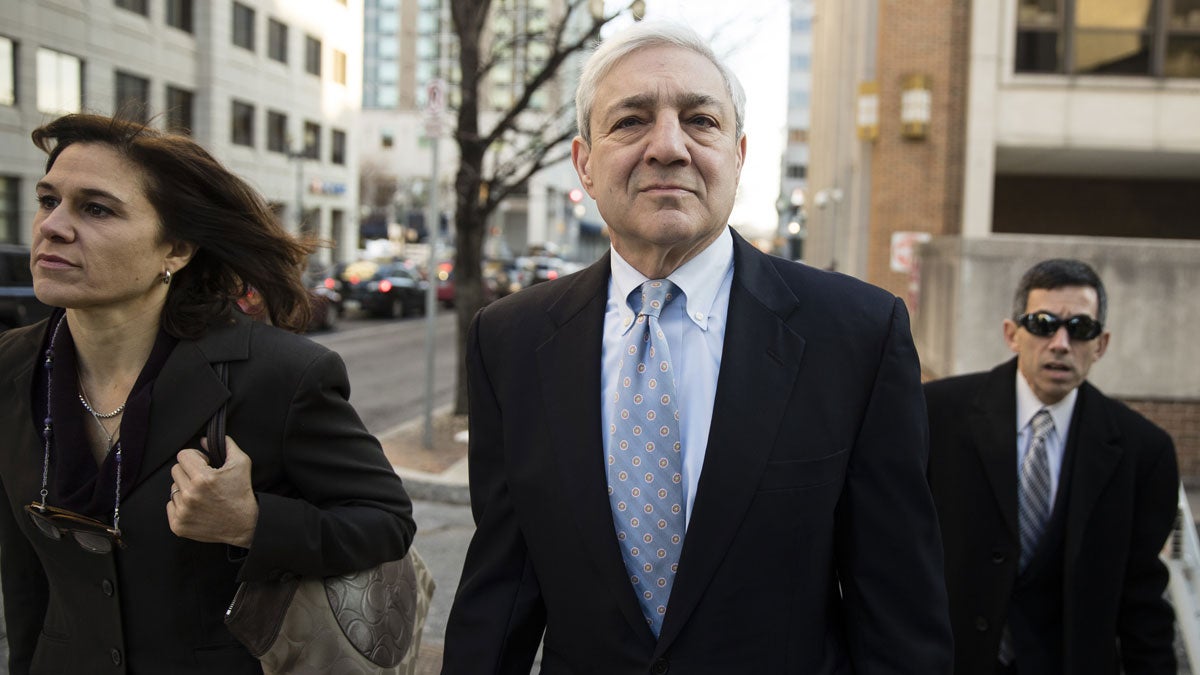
[{"x": 120, "y": 546}]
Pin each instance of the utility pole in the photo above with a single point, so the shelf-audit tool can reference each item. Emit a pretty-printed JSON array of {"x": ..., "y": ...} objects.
[{"x": 435, "y": 103}]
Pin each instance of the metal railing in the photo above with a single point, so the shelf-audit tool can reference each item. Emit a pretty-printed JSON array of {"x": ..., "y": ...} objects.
[{"x": 1182, "y": 556}]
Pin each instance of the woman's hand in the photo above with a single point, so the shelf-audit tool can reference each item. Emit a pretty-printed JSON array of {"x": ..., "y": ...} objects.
[{"x": 213, "y": 505}]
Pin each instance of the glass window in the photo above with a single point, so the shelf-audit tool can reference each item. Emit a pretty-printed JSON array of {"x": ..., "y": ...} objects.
[
  {"x": 138, "y": 6},
  {"x": 312, "y": 55},
  {"x": 242, "y": 124},
  {"x": 8, "y": 72},
  {"x": 179, "y": 110},
  {"x": 243, "y": 26},
  {"x": 339, "y": 67},
  {"x": 312, "y": 140},
  {"x": 1108, "y": 37},
  {"x": 1113, "y": 37},
  {"x": 179, "y": 14},
  {"x": 1183, "y": 39},
  {"x": 801, "y": 62},
  {"x": 277, "y": 40},
  {"x": 9, "y": 227},
  {"x": 59, "y": 82},
  {"x": 337, "y": 150},
  {"x": 133, "y": 97},
  {"x": 277, "y": 135}
]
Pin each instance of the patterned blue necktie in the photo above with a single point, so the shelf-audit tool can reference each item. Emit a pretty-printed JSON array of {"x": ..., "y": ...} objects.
[{"x": 645, "y": 482}]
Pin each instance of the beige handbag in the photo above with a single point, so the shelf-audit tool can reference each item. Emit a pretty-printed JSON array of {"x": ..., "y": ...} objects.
[
  {"x": 363, "y": 623},
  {"x": 366, "y": 622}
]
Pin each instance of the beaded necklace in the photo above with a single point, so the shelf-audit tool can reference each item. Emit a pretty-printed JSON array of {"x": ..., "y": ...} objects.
[{"x": 48, "y": 431}]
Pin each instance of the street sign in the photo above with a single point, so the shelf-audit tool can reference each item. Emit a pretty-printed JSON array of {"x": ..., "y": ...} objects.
[{"x": 435, "y": 108}]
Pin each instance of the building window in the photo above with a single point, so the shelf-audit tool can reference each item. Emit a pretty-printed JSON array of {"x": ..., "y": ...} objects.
[
  {"x": 243, "y": 26},
  {"x": 797, "y": 171},
  {"x": 8, "y": 72},
  {"x": 9, "y": 227},
  {"x": 133, "y": 97},
  {"x": 277, "y": 140},
  {"x": 277, "y": 34},
  {"x": 387, "y": 140},
  {"x": 1183, "y": 39},
  {"x": 339, "y": 67},
  {"x": 179, "y": 110},
  {"x": 337, "y": 150},
  {"x": 138, "y": 6},
  {"x": 242, "y": 128},
  {"x": 1109, "y": 37},
  {"x": 312, "y": 140},
  {"x": 179, "y": 14},
  {"x": 59, "y": 82},
  {"x": 312, "y": 55}
]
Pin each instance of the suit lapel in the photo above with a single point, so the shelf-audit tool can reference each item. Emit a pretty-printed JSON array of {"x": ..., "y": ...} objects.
[
  {"x": 992, "y": 423},
  {"x": 22, "y": 445},
  {"x": 1094, "y": 442},
  {"x": 187, "y": 391},
  {"x": 569, "y": 376},
  {"x": 761, "y": 353}
]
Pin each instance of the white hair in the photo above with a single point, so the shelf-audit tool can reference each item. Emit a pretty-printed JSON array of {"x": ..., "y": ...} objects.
[{"x": 647, "y": 35}]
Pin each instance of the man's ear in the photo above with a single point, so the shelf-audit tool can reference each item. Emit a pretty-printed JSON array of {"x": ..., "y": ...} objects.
[
  {"x": 1010, "y": 335},
  {"x": 581, "y": 152}
]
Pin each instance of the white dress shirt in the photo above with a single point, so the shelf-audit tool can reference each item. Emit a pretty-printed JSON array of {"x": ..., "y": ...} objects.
[
  {"x": 695, "y": 330},
  {"x": 1056, "y": 441}
]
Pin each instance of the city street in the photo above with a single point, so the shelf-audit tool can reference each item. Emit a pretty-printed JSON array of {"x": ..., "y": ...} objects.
[{"x": 386, "y": 362}]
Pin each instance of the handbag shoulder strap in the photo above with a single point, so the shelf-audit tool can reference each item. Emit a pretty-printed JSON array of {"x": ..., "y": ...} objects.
[{"x": 216, "y": 425}]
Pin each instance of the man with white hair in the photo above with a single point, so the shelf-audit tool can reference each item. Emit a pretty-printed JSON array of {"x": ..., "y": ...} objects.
[{"x": 692, "y": 457}]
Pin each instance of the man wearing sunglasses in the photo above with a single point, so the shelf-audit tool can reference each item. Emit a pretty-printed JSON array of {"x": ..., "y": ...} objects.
[{"x": 1054, "y": 500}]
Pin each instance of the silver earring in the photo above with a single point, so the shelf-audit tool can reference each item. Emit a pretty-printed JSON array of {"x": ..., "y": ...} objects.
[{"x": 166, "y": 277}]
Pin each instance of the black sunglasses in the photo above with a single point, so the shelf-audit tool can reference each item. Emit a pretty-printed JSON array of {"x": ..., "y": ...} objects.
[
  {"x": 1045, "y": 324},
  {"x": 91, "y": 535}
]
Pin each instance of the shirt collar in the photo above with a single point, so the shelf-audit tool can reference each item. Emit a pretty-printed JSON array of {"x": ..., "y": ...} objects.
[
  {"x": 1028, "y": 405},
  {"x": 699, "y": 278}
]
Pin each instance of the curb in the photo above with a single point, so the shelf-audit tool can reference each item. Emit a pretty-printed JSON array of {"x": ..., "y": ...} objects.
[
  {"x": 437, "y": 487},
  {"x": 433, "y": 487}
]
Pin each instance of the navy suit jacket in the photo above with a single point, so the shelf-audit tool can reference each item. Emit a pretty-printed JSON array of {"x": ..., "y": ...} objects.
[{"x": 812, "y": 545}]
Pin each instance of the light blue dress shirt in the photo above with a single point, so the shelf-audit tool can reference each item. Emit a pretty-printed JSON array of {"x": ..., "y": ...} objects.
[
  {"x": 695, "y": 329},
  {"x": 1056, "y": 442}
]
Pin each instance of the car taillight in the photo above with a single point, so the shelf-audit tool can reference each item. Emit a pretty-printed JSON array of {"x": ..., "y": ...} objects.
[
  {"x": 353, "y": 278},
  {"x": 385, "y": 286},
  {"x": 551, "y": 274},
  {"x": 329, "y": 283}
]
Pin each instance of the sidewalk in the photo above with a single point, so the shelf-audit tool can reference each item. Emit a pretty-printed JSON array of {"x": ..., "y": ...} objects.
[{"x": 438, "y": 473}]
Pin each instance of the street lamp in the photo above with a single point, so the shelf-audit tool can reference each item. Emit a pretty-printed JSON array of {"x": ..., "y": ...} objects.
[
  {"x": 822, "y": 199},
  {"x": 298, "y": 156}
]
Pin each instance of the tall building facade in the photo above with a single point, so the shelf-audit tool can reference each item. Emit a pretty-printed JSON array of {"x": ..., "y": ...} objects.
[
  {"x": 407, "y": 44},
  {"x": 271, "y": 89},
  {"x": 793, "y": 188},
  {"x": 971, "y": 138}
]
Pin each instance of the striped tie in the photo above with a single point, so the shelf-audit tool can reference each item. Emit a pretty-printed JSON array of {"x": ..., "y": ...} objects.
[{"x": 1033, "y": 506}]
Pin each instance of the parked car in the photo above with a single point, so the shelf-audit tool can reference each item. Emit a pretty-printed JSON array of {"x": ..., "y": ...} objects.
[
  {"x": 327, "y": 303},
  {"x": 445, "y": 283},
  {"x": 18, "y": 305},
  {"x": 324, "y": 312},
  {"x": 391, "y": 289}
]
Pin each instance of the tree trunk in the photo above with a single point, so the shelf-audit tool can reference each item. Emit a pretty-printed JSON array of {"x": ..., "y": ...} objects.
[{"x": 469, "y": 216}]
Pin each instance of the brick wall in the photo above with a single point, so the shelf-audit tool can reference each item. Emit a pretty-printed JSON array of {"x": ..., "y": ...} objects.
[
  {"x": 916, "y": 185},
  {"x": 1181, "y": 419}
]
